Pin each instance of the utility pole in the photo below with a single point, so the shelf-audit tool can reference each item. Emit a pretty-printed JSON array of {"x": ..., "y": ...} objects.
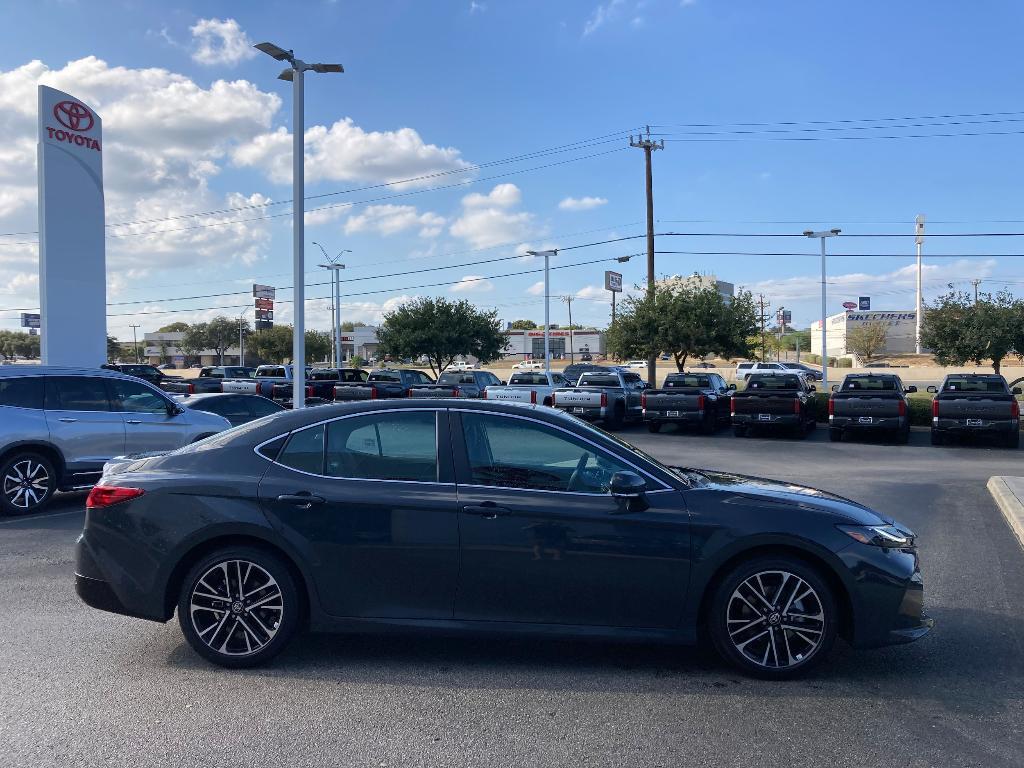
[
  {"x": 919, "y": 241},
  {"x": 241, "y": 339},
  {"x": 976, "y": 282},
  {"x": 335, "y": 267},
  {"x": 762, "y": 318},
  {"x": 781, "y": 320},
  {"x": 135, "y": 340},
  {"x": 822, "y": 235},
  {"x": 649, "y": 146},
  {"x": 547, "y": 304},
  {"x": 572, "y": 357}
]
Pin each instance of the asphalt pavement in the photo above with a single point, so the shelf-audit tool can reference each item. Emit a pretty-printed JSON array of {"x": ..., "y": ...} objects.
[{"x": 79, "y": 687}]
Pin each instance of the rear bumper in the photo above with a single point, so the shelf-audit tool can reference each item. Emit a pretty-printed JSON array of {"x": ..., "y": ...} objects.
[
  {"x": 584, "y": 412},
  {"x": 960, "y": 426},
  {"x": 774, "y": 420},
  {"x": 877, "y": 422},
  {"x": 94, "y": 590},
  {"x": 677, "y": 417}
]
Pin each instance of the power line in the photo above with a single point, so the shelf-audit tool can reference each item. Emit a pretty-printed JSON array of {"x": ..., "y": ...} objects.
[
  {"x": 847, "y": 120},
  {"x": 852, "y": 138},
  {"x": 759, "y": 131}
]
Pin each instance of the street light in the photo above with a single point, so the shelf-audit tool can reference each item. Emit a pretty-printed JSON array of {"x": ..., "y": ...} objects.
[
  {"x": 824, "y": 351},
  {"x": 547, "y": 296},
  {"x": 335, "y": 266},
  {"x": 295, "y": 75}
]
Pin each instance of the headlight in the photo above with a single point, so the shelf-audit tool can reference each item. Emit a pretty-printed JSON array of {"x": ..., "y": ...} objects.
[{"x": 879, "y": 535}]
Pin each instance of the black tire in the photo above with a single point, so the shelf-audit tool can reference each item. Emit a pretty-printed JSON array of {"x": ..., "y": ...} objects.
[
  {"x": 835, "y": 435},
  {"x": 938, "y": 438},
  {"x": 272, "y": 624},
  {"x": 617, "y": 419},
  {"x": 707, "y": 426},
  {"x": 812, "y": 425},
  {"x": 726, "y": 614},
  {"x": 1013, "y": 440},
  {"x": 654, "y": 426},
  {"x": 27, "y": 483},
  {"x": 739, "y": 430}
]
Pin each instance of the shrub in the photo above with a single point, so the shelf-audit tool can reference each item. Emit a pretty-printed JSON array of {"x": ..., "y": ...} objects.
[
  {"x": 845, "y": 362},
  {"x": 356, "y": 361}
]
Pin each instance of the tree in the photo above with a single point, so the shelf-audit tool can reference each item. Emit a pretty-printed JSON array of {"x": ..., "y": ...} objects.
[
  {"x": 194, "y": 340},
  {"x": 178, "y": 327},
  {"x": 523, "y": 325},
  {"x": 867, "y": 340},
  {"x": 686, "y": 321},
  {"x": 18, "y": 344},
  {"x": 113, "y": 349},
  {"x": 348, "y": 326},
  {"x": 441, "y": 330},
  {"x": 273, "y": 344},
  {"x": 958, "y": 329},
  {"x": 318, "y": 345},
  {"x": 222, "y": 332}
]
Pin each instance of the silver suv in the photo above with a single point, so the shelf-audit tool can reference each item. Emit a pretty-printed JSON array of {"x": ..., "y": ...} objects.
[{"x": 59, "y": 425}]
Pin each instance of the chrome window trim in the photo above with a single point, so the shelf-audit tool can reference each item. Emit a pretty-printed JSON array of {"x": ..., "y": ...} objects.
[
  {"x": 645, "y": 473},
  {"x": 324, "y": 422}
]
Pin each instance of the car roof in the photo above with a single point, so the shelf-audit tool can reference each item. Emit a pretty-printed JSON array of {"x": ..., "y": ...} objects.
[
  {"x": 60, "y": 370},
  {"x": 870, "y": 375}
]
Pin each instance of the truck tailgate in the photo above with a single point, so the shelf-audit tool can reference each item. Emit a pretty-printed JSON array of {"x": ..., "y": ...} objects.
[
  {"x": 878, "y": 406},
  {"x": 578, "y": 398},
  {"x": 512, "y": 394},
  {"x": 434, "y": 390},
  {"x": 247, "y": 387},
  {"x": 754, "y": 403},
  {"x": 672, "y": 401},
  {"x": 964, "y": 406},
  {"x": 354, "y": 392}
]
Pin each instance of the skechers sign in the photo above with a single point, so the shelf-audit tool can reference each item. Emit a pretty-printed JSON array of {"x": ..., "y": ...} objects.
[{"x": 76, "y": 119}]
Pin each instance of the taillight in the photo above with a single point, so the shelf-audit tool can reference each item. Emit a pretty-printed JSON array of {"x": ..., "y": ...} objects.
[
  {"x": 935, "y": 409},
  {"x": 192, "y": 388},
  {"x": 643, "y": 401},
  {"x": 408, "y": 393},
  {"x": 533, "y": 397},
  {"x": 309, "y": 391},
  {"x": 732, "y": 407},
  {"x": 373, "y": 393},
  {"x": 604, "y": 399},
  {"x": 832, "y": 407},
  {"x": 485, "y": 395},
  {"x": 901, "y": 406},
  {"x": 1015, "y": 409},
  {"x": 221, "y": 386},
  {"x": 107, "y": 496},
  {"x": 700, "y": 402},
  {"x": 455, "y": 393},
  {"x": 796, "y": 405}
]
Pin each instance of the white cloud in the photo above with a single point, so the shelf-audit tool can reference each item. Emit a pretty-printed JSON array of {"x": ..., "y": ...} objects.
[
  {"x": 475, "y": 7},
  {"x": 602, "y": 14},
  {"x": 473, "y": 284},
  {"x": 346, "y": 152},
  {"x": 582, "y": 203},
  {"x": 486, "y": 221},
  {"x": 391, "y": 219},
  {"x": 537, "y": 289},
  {"x": 592, "y": 292},
  {"x": 220, "y": 42}
]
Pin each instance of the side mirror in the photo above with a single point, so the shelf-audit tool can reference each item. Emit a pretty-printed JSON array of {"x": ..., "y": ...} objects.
[
  {"x": 933, "y": 389},
  {"x": 834, "y": 387},
  {"x": 173, "y": 410},
  {"x": 1015, "y": 391},
  {"x": 502, "y": 382},
  {"x": 812, "y": 388},
  {"x": 732, "y": 387},
  {"x": 627, "y": 485},
  {"x": 910, "y": 390}
]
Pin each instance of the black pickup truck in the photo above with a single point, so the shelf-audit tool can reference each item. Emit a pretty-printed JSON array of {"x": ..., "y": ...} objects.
[
  {"x": 144, "y": 371},
  {"x": 320, "y": 383},
  {"x": 975, "y": 403},
  {"x": 458, "y": 384},
  {"x": 689, "y": 399},
  {"x": 779, "y": 401},
  {"x": 381, "y": 384},
  {"x": 870, "y": 402}
]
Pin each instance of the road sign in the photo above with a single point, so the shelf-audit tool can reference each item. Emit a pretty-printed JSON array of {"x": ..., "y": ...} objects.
[
  {"x": 263, "y": 291},
  {"x": 265, "y": 315},
  {"x": 612, "y": 281},
  {"x": 864, "y": 303},
  {"x": 33, "y": 331},
  {"x": 29, "y": 320},
  {"x": 849, "y": 305}
]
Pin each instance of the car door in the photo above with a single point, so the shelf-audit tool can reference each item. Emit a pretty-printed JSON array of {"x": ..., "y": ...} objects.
[
  {"x": 151, "y": 422},
  {"x": 544, "y": 542},
  {"x": 82, "y": 423},
  {"x": 369, "y": 498}
]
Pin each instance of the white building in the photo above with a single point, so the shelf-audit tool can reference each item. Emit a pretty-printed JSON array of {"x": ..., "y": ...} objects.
[
  {"x": 530, "y": 344},
  {"x": 901, "y": 330},
  {"x": 727, "y": 290}
]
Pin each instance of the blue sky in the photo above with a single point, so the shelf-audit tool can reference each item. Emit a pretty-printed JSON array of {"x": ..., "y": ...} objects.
[{"x": 194, "y": 123}]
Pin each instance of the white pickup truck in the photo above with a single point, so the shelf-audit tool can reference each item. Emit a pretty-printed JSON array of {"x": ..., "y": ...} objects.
[
  {"x": 262, "y": 382},
  {"x": 528, "y": 387}
]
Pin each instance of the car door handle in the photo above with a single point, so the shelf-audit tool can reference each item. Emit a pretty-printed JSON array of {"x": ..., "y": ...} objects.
[
  {"x": 67, "y": 419},
  {"x": 300, "y": 500},
  {"x": 133, "y": 421},
  {"x": 487, "y": 510}
]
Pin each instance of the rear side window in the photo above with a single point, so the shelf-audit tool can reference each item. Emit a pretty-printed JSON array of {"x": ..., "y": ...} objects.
[
  {"x": 76, "y": 393},
  {"x": 386, "y": 446},
  {"x": 305, "y": 451},
  {"x": 22, "y": 392},
  {"x": 744, "y": 366}
]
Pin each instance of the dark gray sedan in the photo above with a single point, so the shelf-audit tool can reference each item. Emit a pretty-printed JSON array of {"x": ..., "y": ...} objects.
[{"x": 485, "y": 517}]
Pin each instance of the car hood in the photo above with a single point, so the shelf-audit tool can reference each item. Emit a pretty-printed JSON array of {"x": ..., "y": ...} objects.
[{"x": 777, "y": 491}]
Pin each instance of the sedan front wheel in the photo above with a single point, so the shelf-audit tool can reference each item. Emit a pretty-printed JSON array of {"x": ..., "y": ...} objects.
[{"x": 239, "y": 607}]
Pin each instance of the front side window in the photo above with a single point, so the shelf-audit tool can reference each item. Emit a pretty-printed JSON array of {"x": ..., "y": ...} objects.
[
  {"x": 384, "y": 446},
  {"x": 519, "y": 453},
  {"x": 22, "y": 392},
  {"x": 77, "y": 393},
  {"x": 132, "y": 397}
]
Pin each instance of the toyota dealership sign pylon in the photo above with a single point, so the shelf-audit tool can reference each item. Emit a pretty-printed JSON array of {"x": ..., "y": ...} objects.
[{"x": 72, "y": 256}]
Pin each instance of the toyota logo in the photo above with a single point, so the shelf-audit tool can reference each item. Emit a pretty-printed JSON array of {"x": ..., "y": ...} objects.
[{"x": 73, "y": 115}]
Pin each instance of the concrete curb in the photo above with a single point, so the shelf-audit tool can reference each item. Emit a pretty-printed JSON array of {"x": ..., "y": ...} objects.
[{"x": 1008, "y": 493}]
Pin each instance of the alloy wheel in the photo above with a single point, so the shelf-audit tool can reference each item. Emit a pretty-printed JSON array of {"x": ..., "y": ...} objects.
[
  {"x": 236, "y": 607},
  {"x": 776, "y": 620},
  {"x": 26, "y": 484}
]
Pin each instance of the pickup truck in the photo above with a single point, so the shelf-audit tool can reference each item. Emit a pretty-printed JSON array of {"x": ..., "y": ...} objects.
[
  {"x": 320, "y": 383},
  {"x": 382, "y": 383},
  {"x": 149, "y": 373},
  {"x": 536, "y": 387},
  {"x": 870, "y": 402},
  {"x": 973, "y": 403},
  {"x": 208, "y": 380},
  {"x": 612, "y": 397},
  {"x": 262, "y": 381},
  {"x": 689, "y": 399},
  {"x": 743, "y": 370},
  {"x": 460, "y": 383},
  {"x": 777, "y": 401}
]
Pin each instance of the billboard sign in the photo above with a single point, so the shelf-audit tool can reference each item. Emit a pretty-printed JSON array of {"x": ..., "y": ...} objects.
[
  {"x": 613, "y": 281},
  {"x": 263, "y": 291},
  {"x": 864, "y": 303},
  {"x": 29, "y": 320},
  {"x": 849, "y": 305},
  {"x": 72, "y": 256},
  {"x": 264, "y": 303}
]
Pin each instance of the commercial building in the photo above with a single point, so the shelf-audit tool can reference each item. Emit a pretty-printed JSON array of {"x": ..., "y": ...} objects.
[
  {"x": 696, "y": 281},
  {"x": 530, "y": 344},
  {"x": 899, "y": 339}
]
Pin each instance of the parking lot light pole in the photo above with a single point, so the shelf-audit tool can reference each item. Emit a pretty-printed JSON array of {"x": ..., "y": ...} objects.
[
  {"x": 547, "y": 301},
  {"x": 824, "y": 308},
  {"x": 335, "y": 267},
  {"x": 295, "y": 75}
]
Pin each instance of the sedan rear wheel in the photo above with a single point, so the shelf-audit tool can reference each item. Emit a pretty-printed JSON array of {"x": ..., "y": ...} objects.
[
  {"x": 238, "y": 607},
  {"x": 28, "y": 483},
  {"x": 773, "y": 618}
]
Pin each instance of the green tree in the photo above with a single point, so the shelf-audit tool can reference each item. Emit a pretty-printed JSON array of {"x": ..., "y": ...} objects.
[
  {"x": 348, "y": 326},
  {"x": 113, "y": 348},
  {"x": 318, "y": 345},
  {"x": 273, "y": 344},
  {"x": 441, "y": 330},
  {"x": 523, "y": 325},
  {"x": 194, "y": 340},
  {"x": 222, "y": 332},
  {"x": 957, "y": 329},
  {"x": 18, "y": 344},
  {"x": 178, "y": 327},
  {"x": 686, "y": 321},
  {"x": 867, "y": 341}
]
